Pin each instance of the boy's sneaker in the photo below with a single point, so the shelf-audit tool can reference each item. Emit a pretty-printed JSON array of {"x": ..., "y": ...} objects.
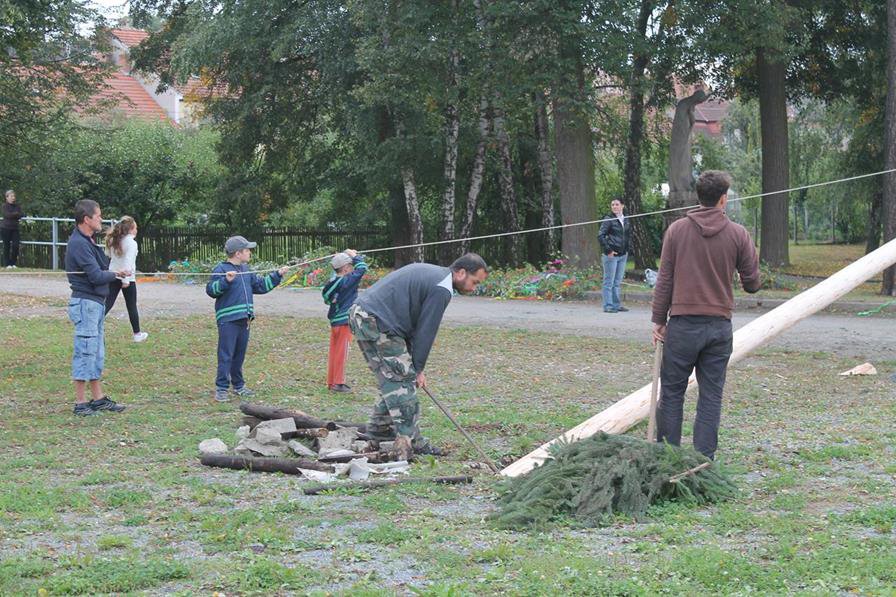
[
  {"x": 105, "y": 403},
  {"x": 221, "y": 395},
  {"x": 140, "y": 336},
  {"x": 244, "y": 392},
  {"x": 622, "y": 309},
  {"x": 82, "y": 409},
  {"x": 340, "y": 387}
]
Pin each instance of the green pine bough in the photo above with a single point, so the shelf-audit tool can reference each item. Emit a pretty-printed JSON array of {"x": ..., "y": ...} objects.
[{"x": 589, "y": 481}]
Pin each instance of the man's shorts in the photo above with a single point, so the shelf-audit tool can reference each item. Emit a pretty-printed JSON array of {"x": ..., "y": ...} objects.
[{"x": 90, "y": 350}]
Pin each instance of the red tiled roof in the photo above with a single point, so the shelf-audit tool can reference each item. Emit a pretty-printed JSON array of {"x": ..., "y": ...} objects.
[
  {"x": 711, "y": 110},
  {"x": 130, "y": 37},
  {"x": 132, "y": 98}
]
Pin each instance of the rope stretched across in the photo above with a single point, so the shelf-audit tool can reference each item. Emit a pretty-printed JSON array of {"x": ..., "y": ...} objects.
[{"x": 292, "y": 265}]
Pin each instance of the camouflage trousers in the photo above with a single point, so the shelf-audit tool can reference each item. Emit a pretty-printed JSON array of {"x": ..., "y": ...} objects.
[{"x": 397, "y": 411}]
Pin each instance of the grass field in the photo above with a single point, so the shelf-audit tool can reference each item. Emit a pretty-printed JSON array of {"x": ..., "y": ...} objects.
[{"x": 119, "y": 503}]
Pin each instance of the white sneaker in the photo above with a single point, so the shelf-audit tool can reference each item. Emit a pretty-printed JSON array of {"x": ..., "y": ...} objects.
[
  {"x": 140, "y": 336},
  {"x": 10, "y": 267}
]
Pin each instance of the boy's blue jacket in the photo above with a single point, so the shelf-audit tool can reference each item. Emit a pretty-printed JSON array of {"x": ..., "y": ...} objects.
[
  {"x": 233, "y": 300},
  {"x": 341, "y": 291}
]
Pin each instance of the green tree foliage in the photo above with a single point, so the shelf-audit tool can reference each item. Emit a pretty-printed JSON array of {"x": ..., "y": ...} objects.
[
  {"x": 48, "y": 65},
  {"x": 151, "y": 171}
]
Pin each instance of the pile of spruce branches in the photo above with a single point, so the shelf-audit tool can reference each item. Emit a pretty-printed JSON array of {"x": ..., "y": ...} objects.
[{"x": 589, "y": 481}]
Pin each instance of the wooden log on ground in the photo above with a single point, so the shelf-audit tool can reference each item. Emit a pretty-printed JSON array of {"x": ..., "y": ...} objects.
[
  {"x": 252, "y": 422},
  {"x": 290, "y": 466},
  {"x": 636, "y": 406},
  {"x": 303, "y": 420},
  {"x": 316, "y": 489}
]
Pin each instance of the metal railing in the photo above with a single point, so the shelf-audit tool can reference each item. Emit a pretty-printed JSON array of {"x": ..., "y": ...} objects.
[{"x": 54, "y": 242}]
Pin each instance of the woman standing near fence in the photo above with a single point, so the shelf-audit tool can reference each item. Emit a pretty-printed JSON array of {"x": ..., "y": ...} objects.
[
  {"x": 122, "y": 249},
  {"x": 9, "y": 229}
]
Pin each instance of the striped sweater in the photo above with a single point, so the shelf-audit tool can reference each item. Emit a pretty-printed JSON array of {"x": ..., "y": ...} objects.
[
  {"x": 341, "y": 291},
  {"x": 233, "y": 300}
]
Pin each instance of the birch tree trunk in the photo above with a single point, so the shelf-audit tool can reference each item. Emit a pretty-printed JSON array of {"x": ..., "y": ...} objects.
[
  {"x": 476, "y": 176},
  {"x": 888, "y": 207},
  {"x": 452, "y": 129},
  {"x": 773, "y": 246},
  {"x": 505, "y": 176},
  {"x": 681, "y": 166},
  {"x": 415, "y": 224},
  {"x": 545, "y": 171}
]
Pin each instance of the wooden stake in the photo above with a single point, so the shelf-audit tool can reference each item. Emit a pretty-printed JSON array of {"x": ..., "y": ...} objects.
[
  {"x": 689, "y": 472},
  {"x": 633, "y": 408},
  {"x": 654, "y": 391}
]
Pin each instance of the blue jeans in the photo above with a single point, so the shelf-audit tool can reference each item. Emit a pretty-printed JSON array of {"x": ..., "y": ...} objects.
[
  {"x": 233, "y": 338},
  {"x": 89, "y": 355},
  {"x": 614, "y": 270}
]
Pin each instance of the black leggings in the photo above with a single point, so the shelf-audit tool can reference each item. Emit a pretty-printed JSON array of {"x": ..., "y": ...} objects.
[
  {"x": 130, "y": 301},
  {"x": 10, "y": 246}
]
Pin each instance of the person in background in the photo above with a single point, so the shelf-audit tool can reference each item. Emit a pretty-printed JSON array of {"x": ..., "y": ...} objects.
[
  {"x": 87, "y": 269},
  {"x": 614, "y": 236},
  {"x": 9, "y": 230},
  {"x": 121, "y": 247},
  {"x": 340, "y": 293}
]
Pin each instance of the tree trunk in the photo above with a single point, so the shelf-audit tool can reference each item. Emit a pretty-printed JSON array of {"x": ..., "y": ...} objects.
[
  {"x": 452, "y": 129},
  {"x": 873, "y": 231},
  {"x": 505, "y": 176},
  {"x": 415, "y": 224},
  {"x": 545, "y": 171},
  {"x": 476, "y": 176},
  {"x": 681, "y": 166},
  {"x": 575, "y": 168},
  {"x": 773, "y": 247},
  {"x": 888, "y": 208},
  {"x": 642, "y": 247}
]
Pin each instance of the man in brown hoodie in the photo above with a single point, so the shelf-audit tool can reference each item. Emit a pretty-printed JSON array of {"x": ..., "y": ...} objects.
[{"x": 692, "y": 306}]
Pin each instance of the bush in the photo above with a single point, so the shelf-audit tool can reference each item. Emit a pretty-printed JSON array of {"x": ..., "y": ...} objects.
[{"x": 553, "y": 281}]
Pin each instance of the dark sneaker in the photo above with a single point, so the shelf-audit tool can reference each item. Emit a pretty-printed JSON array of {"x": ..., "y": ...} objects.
[
  {"x": 105, "y": 403},
  {"x": 610, "y": 310},
  {"x": 244, "y": 392},
  {"x": 424, "y": 447},
  {"x": 222, "y": 395},
  {"x": 622, "y": 309},
  {"x": 340, "y": 387},
  {"x": 82, "y": 409}
]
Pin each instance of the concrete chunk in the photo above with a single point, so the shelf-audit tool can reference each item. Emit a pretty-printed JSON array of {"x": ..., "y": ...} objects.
[
  {"x": 279, "y": 425},
  {"x": 212, "y": 446},
  {"x": 268, "y": 436},
  {"x": 340, "y": 439},
  {"x": 301, "y": 449}
]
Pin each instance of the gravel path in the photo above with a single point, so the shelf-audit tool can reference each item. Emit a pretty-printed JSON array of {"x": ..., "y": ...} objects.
[{"x": 862, "y": 338}]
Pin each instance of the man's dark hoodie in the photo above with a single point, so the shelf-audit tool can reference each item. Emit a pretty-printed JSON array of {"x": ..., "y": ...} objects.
[{"x": 701, "y": 252}]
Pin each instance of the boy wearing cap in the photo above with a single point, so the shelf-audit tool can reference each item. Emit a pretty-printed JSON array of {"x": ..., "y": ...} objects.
[
  {"x": 232, "y": 286},
  {"x": 340, "y": 293}
]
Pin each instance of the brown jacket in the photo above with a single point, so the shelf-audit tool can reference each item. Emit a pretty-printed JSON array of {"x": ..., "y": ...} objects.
[{"x": 700, "y": 255}]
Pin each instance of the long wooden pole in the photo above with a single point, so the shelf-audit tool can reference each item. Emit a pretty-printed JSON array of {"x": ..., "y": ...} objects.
[{"x": 635, "y": 407}]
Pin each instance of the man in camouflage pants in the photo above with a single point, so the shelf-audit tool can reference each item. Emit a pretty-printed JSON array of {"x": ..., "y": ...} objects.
[{"x": 395, "y": 323}]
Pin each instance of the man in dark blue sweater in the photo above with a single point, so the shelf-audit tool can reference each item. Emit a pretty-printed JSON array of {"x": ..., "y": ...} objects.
[
  {"x": 395, "y": 323},
  {"x": 89, "y": 278}
]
